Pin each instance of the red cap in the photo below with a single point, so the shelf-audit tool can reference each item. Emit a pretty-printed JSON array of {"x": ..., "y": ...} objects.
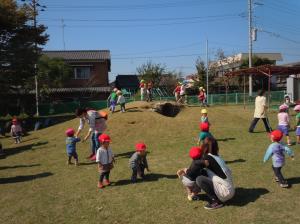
[
  {"x": 140, "y": 147},
  {"x": 104, "y": 138},
  {"x": 276, "y": 135},
  {"x": 195, "y": 152},
  {"x": 204, "y": 126},
  {"x": 70, "y": 132}
]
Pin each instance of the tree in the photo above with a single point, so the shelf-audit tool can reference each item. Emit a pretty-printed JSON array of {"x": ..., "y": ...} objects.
[
  {"x": 152, "y": 72},
  {"x": 259, "y": 81},
  {"x": 201, "y": 72},
  {"x": 19, "y": 44},
  {"x": 53, "y": 72}
]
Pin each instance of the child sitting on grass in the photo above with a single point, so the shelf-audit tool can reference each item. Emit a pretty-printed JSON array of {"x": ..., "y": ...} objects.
[
  {"x": 138, "y": 162},
  {"x": 204, "y": 127},
  {"x": 105, "y": 160},
  {"x": 16, "y": 131},
  {"x": 277, "y": 150},
  {"x": 297, "y": 109},
  {"x": 188, "y": 175},
  {"x": 71, "y": 146},
  {"x": 284, "y": 122},
  {"x": 121, "y": 101}
]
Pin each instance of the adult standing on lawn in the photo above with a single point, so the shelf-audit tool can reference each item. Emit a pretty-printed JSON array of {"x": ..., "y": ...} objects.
[
  {"x": 97, "y": 123},
  {"x": 260, "y": 112}
]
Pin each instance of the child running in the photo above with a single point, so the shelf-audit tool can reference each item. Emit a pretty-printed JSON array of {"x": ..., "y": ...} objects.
[
  {"x": 105, "y": 160},
  {"x": 188, "y": 175},
  {"x": 71, "y": 146},
  {"x": 297, "y": 109},
  {"x": 284, "y": 122},
  {"x": 277, "y": 150},
  {"x": 204, "y": 127},
  {"x": 121, "y": 101},
  {"x": 16, "y": 131},
  {"x": 138, "y": 162},
  {"x": 113, "y": 100}
]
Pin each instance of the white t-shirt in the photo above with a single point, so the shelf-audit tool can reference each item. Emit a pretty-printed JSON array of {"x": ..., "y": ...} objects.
[
  {"x": 104, "y": 156},
  {"x": 121, "y": 99},
  {"x": 260, "y": 103}
]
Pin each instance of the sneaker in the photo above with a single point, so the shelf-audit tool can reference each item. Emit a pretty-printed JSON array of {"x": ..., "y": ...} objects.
[
  {"x": 190, "y": 197},
  {"x": 90, "y": 156},
  {"x": 76, "y": 163},
  {"x": 276, "y": 179},
  {"x": 93, "y": 158},
  {"x": 213, "y": 205},
  {"x": 284, "y": 185},
  {"x": 106, "y": 182},
  {"x": 100, "y": 185}
]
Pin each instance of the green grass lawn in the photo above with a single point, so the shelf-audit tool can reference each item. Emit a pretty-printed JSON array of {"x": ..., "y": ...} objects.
[{"x": 36, "y": 185}]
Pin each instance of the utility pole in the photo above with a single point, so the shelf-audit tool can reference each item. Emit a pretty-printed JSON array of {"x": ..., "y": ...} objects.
[
  {"x": 250, "y": 42},
  {"x": 34, "y": 4},
  {"x": 63, "y": 33},
  {"x": 207, "y": 70},
  {"x": 35, "y": 66}
]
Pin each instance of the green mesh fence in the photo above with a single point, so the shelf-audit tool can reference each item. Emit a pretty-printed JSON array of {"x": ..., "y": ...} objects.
[{"x": 276, "y": 97}]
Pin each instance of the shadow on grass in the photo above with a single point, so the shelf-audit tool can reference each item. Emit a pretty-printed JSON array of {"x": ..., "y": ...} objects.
[
  {"x": 22, "y": 148},
  {"x": 127, "y": 154},
  {"x": 244, "y": 196},
  {"x": 224, "y": 139},
  {"x": 235, "y": 161},
  {"x": 148, "y": 178},
  {"x": 18, "y": 166},
  {"x": 30, "y": 139},
  {"x": 293, "y": 180},
  {"x": 87, "y": 163},
  {"x": 10, "y": 180}
]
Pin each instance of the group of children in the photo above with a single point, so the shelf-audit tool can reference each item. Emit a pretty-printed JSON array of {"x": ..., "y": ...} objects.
[
  {"x": 146, "y": 90},
  {"x": 116, "y": 98},
  {"x": 104, "y": 156}
]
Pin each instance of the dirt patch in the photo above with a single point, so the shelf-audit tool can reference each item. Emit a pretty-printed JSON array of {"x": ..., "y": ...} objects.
[{"x": 168, "y": 109}]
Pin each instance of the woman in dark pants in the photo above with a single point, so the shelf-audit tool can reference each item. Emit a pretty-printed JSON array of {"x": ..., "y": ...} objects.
[
  {"x": 217, "y": 184},
  {"x": 260, "y": 112}
]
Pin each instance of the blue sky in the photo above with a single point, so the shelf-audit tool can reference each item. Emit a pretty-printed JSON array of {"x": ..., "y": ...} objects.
[{"x": 170, "y": 32}]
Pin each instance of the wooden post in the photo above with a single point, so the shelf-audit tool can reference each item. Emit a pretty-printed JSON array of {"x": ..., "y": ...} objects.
[{"x": 269, "y": 89}]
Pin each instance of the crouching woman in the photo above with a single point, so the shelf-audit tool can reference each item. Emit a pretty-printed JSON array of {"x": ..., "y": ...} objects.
[{"x": 217, "y": 184}]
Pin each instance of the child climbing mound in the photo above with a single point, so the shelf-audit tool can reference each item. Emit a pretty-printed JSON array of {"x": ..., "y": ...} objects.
[
  {"x": 138, "y": 162},
  {"x": 71, "y": 146}
]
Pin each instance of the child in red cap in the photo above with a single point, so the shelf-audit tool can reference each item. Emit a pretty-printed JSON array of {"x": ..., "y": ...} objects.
[
  {"x": 16, "y": 131},
  {"x": 138, "y": 162},
  {"x": 71, "y": 146},
  {"x": 189, "y": 175},
  {"x": 204, "y": 127},
  {"x": 277, "y": 150},
  {"x": 105, "y": 160}
]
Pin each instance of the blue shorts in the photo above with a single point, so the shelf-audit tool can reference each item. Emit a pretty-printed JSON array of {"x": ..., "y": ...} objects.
[
  {"x": 298, "y": 131},
  {"x": 73, "y": 154},
  {"x": 284, "y": 129}
]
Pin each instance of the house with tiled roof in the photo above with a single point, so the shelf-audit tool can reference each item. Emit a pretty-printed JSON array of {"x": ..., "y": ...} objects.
[{"x": 90, "y": 73}]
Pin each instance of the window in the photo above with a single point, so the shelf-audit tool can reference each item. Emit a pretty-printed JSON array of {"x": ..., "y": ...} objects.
[{"x": 82, "y": 72}]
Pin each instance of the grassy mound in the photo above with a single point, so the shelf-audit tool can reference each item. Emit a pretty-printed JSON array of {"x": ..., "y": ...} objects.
[{"x": 36, "y": 185}]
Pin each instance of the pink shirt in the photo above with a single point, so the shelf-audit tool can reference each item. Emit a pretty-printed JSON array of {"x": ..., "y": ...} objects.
[
  {"x": 15, "y": 128},
  {"x": 283, "y": 118}
]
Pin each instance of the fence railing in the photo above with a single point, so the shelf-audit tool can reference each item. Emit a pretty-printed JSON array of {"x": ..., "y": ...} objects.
[{"x": 276, "y": 97}]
